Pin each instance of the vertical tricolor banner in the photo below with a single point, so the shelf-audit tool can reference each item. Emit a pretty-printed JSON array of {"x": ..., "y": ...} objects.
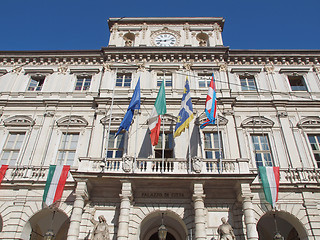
[
  {"x": 3, "y": 170},
  {"x": 56, "y": 180},
  {"x": 270, "y": 177},
  {"x": 211, "y": 104},
  {"x": 154, "y": 120}
]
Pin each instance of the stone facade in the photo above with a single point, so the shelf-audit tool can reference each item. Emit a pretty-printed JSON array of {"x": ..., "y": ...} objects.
[{"x": 64, "y": 107}]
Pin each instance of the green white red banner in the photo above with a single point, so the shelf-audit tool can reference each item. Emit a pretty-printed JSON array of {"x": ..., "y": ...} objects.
[
  {"x": 56, "y": 180},
  {"x": 270, "y": 177}
]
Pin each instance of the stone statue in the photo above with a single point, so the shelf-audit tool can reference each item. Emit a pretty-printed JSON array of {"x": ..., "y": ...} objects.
[
  {"x": 101, "y": 229},
  {"x": 225, "y": 231}
]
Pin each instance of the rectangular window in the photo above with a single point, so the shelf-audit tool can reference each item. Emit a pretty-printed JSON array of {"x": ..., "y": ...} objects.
[
  {"x": 36, "y": 83},
  {"x": 204, "y": 80},
  {"x": 168, "y": 146},
  {"x": 115, "y": 145},
  {"x": 83, "y": 83},
  {"x": 12, "y": 148},
  {"x": 211, "y": 145},
  {"x": 67, "y": 148},
  {"x": 167, "y": 79},
  {"x": 297, "y": 83},
  {"x": 315, "y": 145},
  {"x": 248, "y": 83},
  {"x": 124, "y": 80},
  {"x": 262, "y": 150}
]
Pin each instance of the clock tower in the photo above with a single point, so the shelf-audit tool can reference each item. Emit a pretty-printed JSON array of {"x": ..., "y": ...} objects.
[{"x": 166, "y": 32}]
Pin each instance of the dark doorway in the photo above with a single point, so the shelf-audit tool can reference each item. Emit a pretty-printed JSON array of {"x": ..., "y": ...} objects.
[{"x": 155, "y": 236}]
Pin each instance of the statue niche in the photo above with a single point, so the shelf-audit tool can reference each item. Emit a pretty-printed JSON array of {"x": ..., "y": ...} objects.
[
  {"x": 101, "y": 229},
  {"x": 129, "y": 39},
  {"x": 203, "y": 39}
]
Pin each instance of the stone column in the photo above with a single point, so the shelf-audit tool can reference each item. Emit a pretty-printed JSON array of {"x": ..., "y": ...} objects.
[
  {"x": 125, "y": 205},
  {"x": 199, "y": 217},
  {"x": 75, "y": 220},
  {"x": 312, "y": 213},
  {"x": 248, "y": 212}
]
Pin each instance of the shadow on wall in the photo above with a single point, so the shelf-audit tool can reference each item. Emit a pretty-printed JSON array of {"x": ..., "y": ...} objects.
[{"x": 146, "y": 147}]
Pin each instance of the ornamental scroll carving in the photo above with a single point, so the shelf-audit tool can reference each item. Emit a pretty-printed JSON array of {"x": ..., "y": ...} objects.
[{"x": 72, "y": 121}]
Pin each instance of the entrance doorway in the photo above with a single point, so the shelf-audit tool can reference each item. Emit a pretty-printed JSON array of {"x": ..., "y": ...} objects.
[
  {"x": 288, "y": 226},
  {"x": 175, "y": 226},
  {"x": 44, "y": 221},
  {"x": 155, "y": 237}
]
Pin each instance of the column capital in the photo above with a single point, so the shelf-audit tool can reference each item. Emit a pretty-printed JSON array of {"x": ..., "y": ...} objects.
[{"x": 82, "y": 189}]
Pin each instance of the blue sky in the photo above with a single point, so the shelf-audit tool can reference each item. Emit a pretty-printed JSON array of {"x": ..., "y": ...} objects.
[{"x": 80, "y": 24}]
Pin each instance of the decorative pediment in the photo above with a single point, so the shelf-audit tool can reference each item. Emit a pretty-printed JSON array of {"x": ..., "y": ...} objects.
[
  {"x": 309, "y": 122},
  {"x": 72, "y": 121},
  {"x": 257, "y": 122},
  {"x": 115, "y": 119},
  {"x": 19, "y": 121},
  {"x": 202, "y": 118}
]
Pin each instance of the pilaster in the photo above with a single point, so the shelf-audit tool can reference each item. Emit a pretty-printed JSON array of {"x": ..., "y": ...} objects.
[
  {"x": 125, "y": 206},
  {"x": 199, "y": 216},
  {"x": 76, "y": 216},
  {"x": 248, "y": 212}
]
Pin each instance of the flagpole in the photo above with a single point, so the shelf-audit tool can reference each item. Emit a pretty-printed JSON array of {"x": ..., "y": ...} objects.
[
  {"x": 163, "y": 136},
  {"x": 136, "y": 143},
  {"x": 109, "y": 126},
  {"x": 189, "y": 138},
  {"x": 219, "y": 144}
]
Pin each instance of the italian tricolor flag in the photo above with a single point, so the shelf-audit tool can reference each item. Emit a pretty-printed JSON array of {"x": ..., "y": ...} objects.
[
  {"x": 56, "y": 180},
  {"x": 3, "y": 170},
  {"x": 270, "y": 177},
  {"x": 154, "y": 121}
]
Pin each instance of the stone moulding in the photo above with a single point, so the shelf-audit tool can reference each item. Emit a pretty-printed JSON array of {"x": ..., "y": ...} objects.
[
  {"x": 72, "y": 121},
  {"x": 19, "y": 121}
]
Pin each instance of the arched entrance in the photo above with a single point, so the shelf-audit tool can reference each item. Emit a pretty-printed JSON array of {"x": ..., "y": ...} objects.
[
  {"x": 45, "y": 220},
  {"x": 288, "y": 226},
  {"x": 177, "y": 229}
]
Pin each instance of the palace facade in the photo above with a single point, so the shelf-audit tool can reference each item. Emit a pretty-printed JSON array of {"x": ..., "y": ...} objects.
[{"x": 64, "y": 108}]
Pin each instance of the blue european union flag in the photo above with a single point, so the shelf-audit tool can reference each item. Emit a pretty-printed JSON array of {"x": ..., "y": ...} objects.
[
  {"x": 186, "y": 111},
  {"x": 134, "y": 104}
]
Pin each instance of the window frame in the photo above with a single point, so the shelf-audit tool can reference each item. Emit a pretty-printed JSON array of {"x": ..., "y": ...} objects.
[
  {"x": 298, "y": 77},
  {"x": 13, "y": 150},
  {"x": 38, "y": 81},
  {"x": 84, "y": 78},
  {"x": 67, "y": 150},
  {"x": 115, "y": 148},
  {"x": 317, "y": 151},
  {"x": 167, "y": 150},
  {"x": 247, "y": 87},
  {"x": 206, "y": 78},
  {"x": 213, "y": 148},
  {"x": 123, "y": 83},
  {"x": 269, "y": 151},
  {"x": 168, "y": 77}
]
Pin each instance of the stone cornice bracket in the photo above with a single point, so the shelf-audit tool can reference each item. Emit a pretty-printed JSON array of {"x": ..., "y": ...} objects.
[
  {"x": 198, "y": 192},
  {"x": 269, "y": 69},
  {"x": 223, "y": 67},
  {"x": 245, "y": 193},
  {"x": 216, "y": 27},
  {"x": 82, "y": 189},
  {"x": 126, "y": 192},
  {"x": 49, "y": 114}
]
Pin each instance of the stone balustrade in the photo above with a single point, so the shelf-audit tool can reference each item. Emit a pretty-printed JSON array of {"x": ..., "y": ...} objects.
[{"x": 166, "y": 166}]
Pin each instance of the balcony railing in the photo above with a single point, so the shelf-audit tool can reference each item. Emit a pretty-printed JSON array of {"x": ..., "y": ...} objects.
[
  {"x": 158, "y": 166},
  {"x": 166, "y": 166}
]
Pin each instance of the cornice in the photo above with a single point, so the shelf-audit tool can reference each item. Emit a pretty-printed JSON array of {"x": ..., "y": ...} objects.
[
  {"x": 166, "y": 20},
  {"x": 162, "y": 54}
]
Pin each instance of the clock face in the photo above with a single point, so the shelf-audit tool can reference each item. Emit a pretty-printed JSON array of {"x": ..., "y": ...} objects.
[{"x": 165, "y": 40}]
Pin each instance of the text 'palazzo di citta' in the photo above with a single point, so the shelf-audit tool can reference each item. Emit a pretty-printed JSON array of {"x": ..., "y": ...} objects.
[{"x": 69, "y": 172}]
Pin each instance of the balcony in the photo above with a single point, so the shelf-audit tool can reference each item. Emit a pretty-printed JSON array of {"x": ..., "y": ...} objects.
[
  {"x": 171, "y": 166},
  {"x": 166, "y": 166}
]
